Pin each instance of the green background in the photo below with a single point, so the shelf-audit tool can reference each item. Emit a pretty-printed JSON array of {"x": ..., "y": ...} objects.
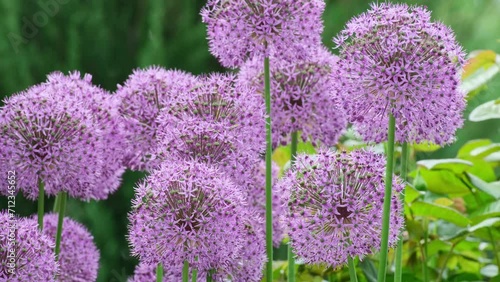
[{"x": 108, "y": 39}]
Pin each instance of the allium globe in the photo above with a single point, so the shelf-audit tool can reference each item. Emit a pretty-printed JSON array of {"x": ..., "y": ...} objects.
[
  {"x": 335, "y": 205},
  {"x": 50, "y": 136},
  {"x": 32, "y": 252},
  {"x": 240, "y": 29},
  {"x": 303, "y": 95},
  {"x": 186, "y": 211},
  {"x": 143, "y": 96},
  {"x": 79, "y": 257},
  {"x": 395, "y": 60},
  {"x": 147, "y": 273}
]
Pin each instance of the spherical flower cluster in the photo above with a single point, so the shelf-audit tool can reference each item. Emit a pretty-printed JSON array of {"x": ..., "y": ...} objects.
[
  {"x": 32, "y": 252},
  {"x": 187, "y": 211},
  {"x": 79, "y": 257},
  {"x": 335, "y": 205},
  {"x": 256, "y": 198},
  {"x": 394, "y": 60},
  {"x": 147, "y": 272},
  {"x": 303, "y": 97},
  {"x": 51, "y": 137},
  {"x": 218, "y": 99},
  {"x": 143, "y": 96},
  {"x": 240, "y": 29},
  {"x": 104, "y": 109}
]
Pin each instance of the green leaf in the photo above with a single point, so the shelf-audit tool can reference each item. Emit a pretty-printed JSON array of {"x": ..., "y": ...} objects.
[
  {"x": 443, "y": 182},
  {"x": 436, "y": 211},
  {"x": 486, "y": 211},
  {"x": 465, "y": 150},
  {"x": 490, "y": 222},
  {"x": 486, "y": 150},
  {"x": 488, "y": 110},
  {"x": 426, "y": 147},
  {"x": 492, "y": 188},
  {"x": 489, "y": 270},
  {"x": 369, "y": 270},
  {"x": 411, "y": 194},
  {"x": 481, "y": 67},
  {"x": 455, "y": 165}
]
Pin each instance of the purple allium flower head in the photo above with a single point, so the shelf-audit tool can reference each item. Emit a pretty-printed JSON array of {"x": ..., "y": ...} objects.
[
  {"x": 79, "y": 257},
  {"x": 303, "y": 97},
  {"x": 256, "y": 198},
  {"x": 143, "y": 96},
  {"x": 186, "y": 211},
  {"x": 335, "y": 205},
  {"x": 147, "y": 272},
  {"x": 33, "y": 252},
  {"x": 395, "y": 60},
  {"x": 219, "y": 99},
  {"x": 240, "y": 29},
  {"x": 104, "y": 109},
  {"x": 49, "y": 135}
]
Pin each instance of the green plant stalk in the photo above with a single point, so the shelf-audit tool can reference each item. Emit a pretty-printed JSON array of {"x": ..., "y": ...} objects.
[
  {"x": 41, "y": 208},
  {"x": 398, "y": 273},
  {"x": 440, "y": 276},
  {"x": 291, "y": 258},
  {"x": 425, "y": 271},
  {"x": 352, "y": 270},
  {"x": 159, "y": 273},
  {"x": 269, "y": 151},
  {"x": 387, "y": 199},
  {"x": 60, "y": 220},
  {"x": 209, "y": 276},
  {"x": 56, "y": 203},
  {"x": 185, "y": 272},
  {"x": 195, "y": 275}
]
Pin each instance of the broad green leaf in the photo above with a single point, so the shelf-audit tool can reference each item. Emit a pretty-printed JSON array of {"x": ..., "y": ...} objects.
[
  {"x": 465, "y": 151},
  {"x": 486, "y": 211},
  {"x": 368, "y": 269},
  {"x": 436, "y": 246},
  {"x": 481, "y": 67},
  {"x": 490, "y": 222},
  {"x": 489, "y": 270},
  {"x": 443, "y": 202},
  {"x": 411, "y": 194},
  {"x": 455, "y": 165},
  {"x": 443, "y": 182},
  {"x": 486, "y": 150},
  {"x": 492, "y": 188},
  {"x": 482, "y": 169},
  {"x": 436, "y": 211},
  {"x": 426, "y": 147},
  {"x": 495, "y": 157},
  {"x": 488, "y": 110}
]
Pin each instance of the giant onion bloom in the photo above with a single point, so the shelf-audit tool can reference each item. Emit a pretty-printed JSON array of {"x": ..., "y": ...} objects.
[
  {"x": 143, "y": 96},
  {"x": 335, "y": 205},
  {"x": 33, "y": 251},
  {"x": 303, "y": 95},
  {"x": 240, "y": 29},
  {"x": 394, "y": 60},
  {"x": 79, "y": 257},
  {"x": 51, "y": 136},
  {"x": 186, "y": 211}
]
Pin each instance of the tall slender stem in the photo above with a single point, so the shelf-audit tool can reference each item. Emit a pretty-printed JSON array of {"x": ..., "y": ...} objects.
[
  {"x": 387, "y": 199},
  {"x": 209, "y": 276},
  {"x": 291, "y": 256},
  {"x": 425, "y": 270},
  {"x": 41, "y": 208},
  {"x": 269, "y": 151},
  {"x": 56, "y": 203},
  {"x": 60, "y": 220},
  {"x": 185, "y": 272},
  {"x": 352, "y": 270},
  {"x": 440, "y": 276},
  {"x": 398, "y": 274},
  {"x": 194, "y": 275},
  {"x": 159, "y": 273}
]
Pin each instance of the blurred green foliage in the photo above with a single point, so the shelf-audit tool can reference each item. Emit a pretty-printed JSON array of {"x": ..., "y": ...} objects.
[{"x": 108, "y": 39}]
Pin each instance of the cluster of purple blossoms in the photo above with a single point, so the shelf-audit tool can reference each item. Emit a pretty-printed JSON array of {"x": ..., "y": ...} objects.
[
  {"x": 51, "y": 137},
  {"x": 79, "y": 257},
  {"x": 187, "y": 211},
  {"x": 147, "y": 272},
  {"x": 33, "y": 251},
  {"x": 143, "y": 96},
  {"x": 394, "y": 60},
  {"x": 240, "y": 29},
  {"x": 335, "y": 204},
  {"x": 303, "y": 95}
]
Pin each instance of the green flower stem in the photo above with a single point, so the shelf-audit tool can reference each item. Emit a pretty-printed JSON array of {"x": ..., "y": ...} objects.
[
  {"x": 387, "y": 199},
  {"x": 41, "y": 209},
  {"x": 185, "y": 272},
  {"x": 159, "y": 273},
  {"x": 60, "y": 220},
  {"x": 291, "y": 256},
  {"x": 440, "y": 276},
  {"x": 195, "y": 275},
  {"x": 425, "y": 270},
  {"x": 269, "y": 151},
  {"x": 209, "y": 276},
  {"x": 56, "y": 203},
  {"x": 352, "y": 270},
  {"x": 398, "y": 274}
]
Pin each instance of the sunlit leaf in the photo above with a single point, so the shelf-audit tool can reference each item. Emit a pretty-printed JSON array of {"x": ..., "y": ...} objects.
[
  {"x": 488, "y": 110},
  {"x": 480, "y": 68},
  {"x": 443, "y": 202},
  {"x": 490, "y": 222},
  {"x": 455, "y": 165},
  {"x": 489, "y": 270},
  {"x": 465, "y": 150},
  {"x": 443, "y": 182},
  {"x": 425, "y": 147},
  {"x": 486, "y": 211},
  {"x": 492, "y": 188},
  {"x": 411, "y": 194},
  {"x": 436, "y": 211}
]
